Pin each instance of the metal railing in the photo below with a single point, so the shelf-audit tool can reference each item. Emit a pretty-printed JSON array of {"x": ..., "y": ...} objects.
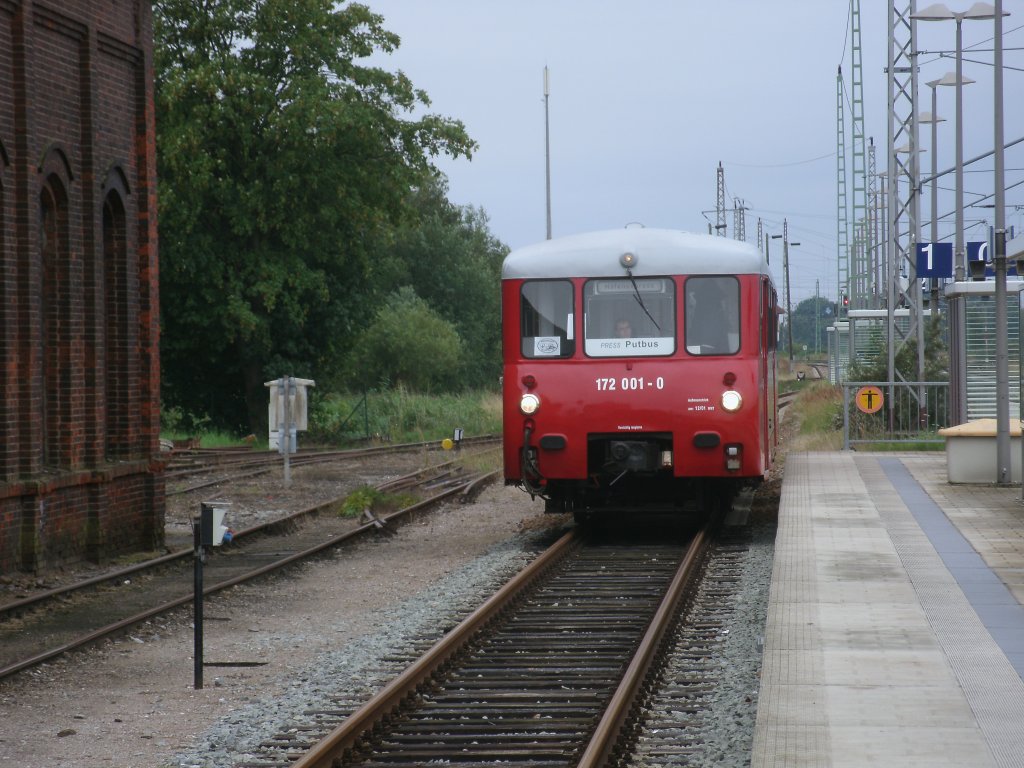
[{"x": 907, "y": 412}]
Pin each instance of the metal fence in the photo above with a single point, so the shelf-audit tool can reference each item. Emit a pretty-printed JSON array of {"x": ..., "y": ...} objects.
[{"x": 903, "y": 412}]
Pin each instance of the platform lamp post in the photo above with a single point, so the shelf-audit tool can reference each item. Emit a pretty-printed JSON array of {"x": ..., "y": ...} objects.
[
  {"x": 932, "y": 118},
  {"x": 940, "y": 12},
  {"x": 1004, "y": 475}
]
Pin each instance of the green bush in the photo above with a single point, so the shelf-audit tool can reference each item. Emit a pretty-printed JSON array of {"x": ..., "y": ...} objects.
[
  {"x": 409, "y": 345},
  {"x": 369, "y": 498},
  {"x": 398, "y": 415}
]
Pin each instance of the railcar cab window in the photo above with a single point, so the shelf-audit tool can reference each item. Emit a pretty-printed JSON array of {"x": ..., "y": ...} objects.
[
  {"x": 629, "y": 318},
  {"x": 712, "y": 315},
  {"x": 546, "y": 319}
]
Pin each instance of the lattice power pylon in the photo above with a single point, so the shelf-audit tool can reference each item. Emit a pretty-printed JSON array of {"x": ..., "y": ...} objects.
[
  {"x": 739, "y": 219},
  {"x": 860, "y": 269},
  {"x": 877, "y": 274},
  {"x": 720, "y": 202},
  {"x": 903, "y": 189},
  {"x": 842, "y": 201}
]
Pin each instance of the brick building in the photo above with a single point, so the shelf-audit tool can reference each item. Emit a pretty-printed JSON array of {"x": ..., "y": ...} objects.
[{"x": 80, "y": 476}]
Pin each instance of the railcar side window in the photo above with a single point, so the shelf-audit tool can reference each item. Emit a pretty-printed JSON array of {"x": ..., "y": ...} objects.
[
  {"x": 546, "y": 319},
  {"x": 712, "y": 315},
  {"x": 629, "y": 318}
]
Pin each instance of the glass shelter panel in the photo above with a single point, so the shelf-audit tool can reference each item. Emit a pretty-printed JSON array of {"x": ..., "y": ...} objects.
[
  {"x": 546, "y": 319},
  {"x": 712, "y": 315},
  {"x": 629, "y": 317}
]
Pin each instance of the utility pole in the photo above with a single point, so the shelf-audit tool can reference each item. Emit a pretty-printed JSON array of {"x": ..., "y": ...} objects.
[
  {"x": 785, "y": 269},
  {"x": 817, "y": 317},
  {"x": 547, "y": 150}
]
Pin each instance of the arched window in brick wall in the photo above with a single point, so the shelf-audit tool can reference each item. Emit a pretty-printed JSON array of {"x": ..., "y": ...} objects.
[
  {"x": 54, "y": 311},
  {"x": 118, "y": 339}
]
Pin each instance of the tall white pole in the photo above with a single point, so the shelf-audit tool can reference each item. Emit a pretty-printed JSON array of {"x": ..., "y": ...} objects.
[
  {"x": 1003, "y": 473},
  {"x": 961, "y": 252},
  {"x": 935, "y": 192},
  {"x": 960, "y": 256},
  {"x": 547, "y": 150}
]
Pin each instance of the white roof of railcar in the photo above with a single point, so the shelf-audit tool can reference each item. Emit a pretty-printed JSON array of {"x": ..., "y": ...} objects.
[{"x": 658, "y": 252}]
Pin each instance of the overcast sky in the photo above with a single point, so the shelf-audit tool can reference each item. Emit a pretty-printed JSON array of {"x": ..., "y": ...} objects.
[{"x": 647, "y": 97}]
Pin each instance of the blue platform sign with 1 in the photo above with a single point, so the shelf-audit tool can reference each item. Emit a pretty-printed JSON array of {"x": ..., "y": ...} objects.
[{"x": 934, "y": 259}]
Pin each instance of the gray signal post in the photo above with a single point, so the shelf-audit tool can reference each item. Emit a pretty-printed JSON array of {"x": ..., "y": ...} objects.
[
  {"x": 208, "y": 530},
  {"x": 287, "y": 416},
  {"x": 285, "y": 443}
]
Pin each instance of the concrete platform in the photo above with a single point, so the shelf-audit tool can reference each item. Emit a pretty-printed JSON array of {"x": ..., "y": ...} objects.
[{"x": 895, "y": 631}]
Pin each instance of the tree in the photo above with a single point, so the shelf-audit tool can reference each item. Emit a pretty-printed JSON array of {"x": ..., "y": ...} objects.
[
  {"x": 280, "y": 161},
  {"x": 936, "y": 358},
  {"x": 448, "y": 255},
  {"x": 408, "y": 344},
  {"x": 812, "y": 315}
]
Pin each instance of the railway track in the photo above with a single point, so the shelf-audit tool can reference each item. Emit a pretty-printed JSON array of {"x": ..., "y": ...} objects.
[
  {"x": 44, "y": 626},
  {"x": 545, "y": 672},
  {"x": 236, "y": 464}
]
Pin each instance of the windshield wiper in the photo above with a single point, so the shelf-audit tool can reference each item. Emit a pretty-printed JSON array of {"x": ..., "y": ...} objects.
[{"x": 636, "y": 295}]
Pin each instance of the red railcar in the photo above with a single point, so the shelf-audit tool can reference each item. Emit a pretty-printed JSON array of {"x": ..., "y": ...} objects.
[{"x": 639, "y": 370}]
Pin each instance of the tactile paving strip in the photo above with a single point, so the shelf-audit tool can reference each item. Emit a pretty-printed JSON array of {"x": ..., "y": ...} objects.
[{"x": 947, "y": 573}]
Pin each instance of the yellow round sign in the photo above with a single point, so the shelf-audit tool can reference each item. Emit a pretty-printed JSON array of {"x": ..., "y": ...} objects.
[{"x": 869, "y": 399}]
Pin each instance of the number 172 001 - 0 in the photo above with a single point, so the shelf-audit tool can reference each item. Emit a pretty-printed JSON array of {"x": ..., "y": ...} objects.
[{"x": 628, "y": 383}]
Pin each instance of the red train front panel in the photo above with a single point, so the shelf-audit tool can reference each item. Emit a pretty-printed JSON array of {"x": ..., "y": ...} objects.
[{"x": 626, "y": 387}]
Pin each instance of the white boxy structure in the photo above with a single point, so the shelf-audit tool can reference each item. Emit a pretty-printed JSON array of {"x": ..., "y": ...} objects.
[
  {"x": 971, "y": 451},
  {"x": 296, "y": 413}
]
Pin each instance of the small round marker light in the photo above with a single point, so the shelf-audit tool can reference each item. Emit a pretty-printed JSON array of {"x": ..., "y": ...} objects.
[
  {"x": 529, "y": 404},
  {"x": 732, "y": 400}
]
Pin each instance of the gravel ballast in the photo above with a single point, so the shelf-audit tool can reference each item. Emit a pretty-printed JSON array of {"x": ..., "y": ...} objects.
[{"x": 336, "y": 628}]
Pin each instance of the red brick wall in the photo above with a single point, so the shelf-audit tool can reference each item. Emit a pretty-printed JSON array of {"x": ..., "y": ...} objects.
[{"x": 80, "y": 475}]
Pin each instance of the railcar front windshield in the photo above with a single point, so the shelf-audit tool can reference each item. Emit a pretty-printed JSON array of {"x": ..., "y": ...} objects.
[
  {"x": 712, "y": 315},
  {"x": 629, "y": 318},
  {"x": 546, "y": 319}
]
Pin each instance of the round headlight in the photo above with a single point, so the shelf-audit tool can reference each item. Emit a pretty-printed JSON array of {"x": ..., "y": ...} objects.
[
  {"x": 529, "y": 403},
  {"x": 731, "y": 400}
]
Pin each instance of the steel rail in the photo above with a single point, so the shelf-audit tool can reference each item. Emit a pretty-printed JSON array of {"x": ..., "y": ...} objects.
[
  {"x": 24, "y": 603},
  {"x": 265, "y": 463},
  {"x": 227, "y": 458},
  {"x": 324, "y": 753},
  {"x": 606, "y": 735},
  {"x": 120, "y": 626}
]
